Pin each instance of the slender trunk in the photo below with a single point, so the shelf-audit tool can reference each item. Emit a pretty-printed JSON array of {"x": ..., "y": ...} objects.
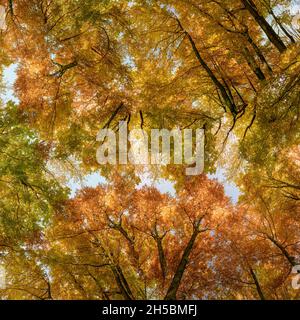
[
  {"x": 282, "y": 27},
  {"x": 258, "y": 287},
  {"x": 263, "y": 23},
  {"x": 119, "y": 227},
  {"x": 162, "y": 257},
  {"x": 225, "y": 95},
  {"x": 250, "y": 82},
  {"x": 118, "y": 275},
  {"x": 253, "y": 65},
  {"x": 64, "y": 68},
  {"x": 173, "y": 288},
  {"x": 258, "y": 51},
  {"x": 289, "y": 258},
  {"x": 115, "y": 113},
  {"x": 161, "y": 254},
  {"x": 122, "y": 283},
  {"x": 11, "y": 7}
]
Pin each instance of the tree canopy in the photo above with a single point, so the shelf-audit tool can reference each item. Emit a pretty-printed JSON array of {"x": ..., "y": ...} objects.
[{"x": 230, "y": 68}]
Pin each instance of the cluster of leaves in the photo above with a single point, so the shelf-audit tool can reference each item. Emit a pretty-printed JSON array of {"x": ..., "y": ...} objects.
[{"x": 29, "y": 193}]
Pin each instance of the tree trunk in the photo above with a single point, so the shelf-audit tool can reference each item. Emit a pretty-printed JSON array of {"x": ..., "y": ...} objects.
[
  {"x": 258, "y": 51},
  {"x": 258, "y": 287},
  {"x": 162, "y": 257},
  {"x": 173, "y": 288},
  {"x": 289, "y": 258},
  {"x": 253, "y": 65},
  {"x": 225, "y": 95},
  {"x": 282, "y": 27},
  {"x": 271, "y": 34},
  {"x": 122, "y": 282}
]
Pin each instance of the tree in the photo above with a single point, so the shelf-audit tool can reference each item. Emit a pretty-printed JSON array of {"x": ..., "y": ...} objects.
[{"x": 101, "y": 247}]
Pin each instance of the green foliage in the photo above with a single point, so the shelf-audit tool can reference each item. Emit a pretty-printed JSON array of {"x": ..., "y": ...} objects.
[{"x": 29, "y": 194}]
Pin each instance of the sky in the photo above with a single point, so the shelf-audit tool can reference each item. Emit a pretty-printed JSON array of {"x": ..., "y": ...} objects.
[
  {"x": 9, "y": 78},
  {"x": 93, "y": 180},
  {"x": 163, "y": 185}
]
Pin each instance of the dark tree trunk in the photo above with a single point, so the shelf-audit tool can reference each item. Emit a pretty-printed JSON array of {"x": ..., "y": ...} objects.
[
  {"x": 174, "y": 286},
  {"x": 253, "y": 65},
  {"x": 289, "y": 258},
  {"x": 271, "y": 34},
  {"x": 258, "y": 51},
  {"x": 258, "y": 287},
  {"x": 282, "y": 27},
  {"x": 227, "y": 99}
]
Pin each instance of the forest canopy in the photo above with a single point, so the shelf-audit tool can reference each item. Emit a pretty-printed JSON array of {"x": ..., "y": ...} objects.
[{"x": 230, "y": 68}]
